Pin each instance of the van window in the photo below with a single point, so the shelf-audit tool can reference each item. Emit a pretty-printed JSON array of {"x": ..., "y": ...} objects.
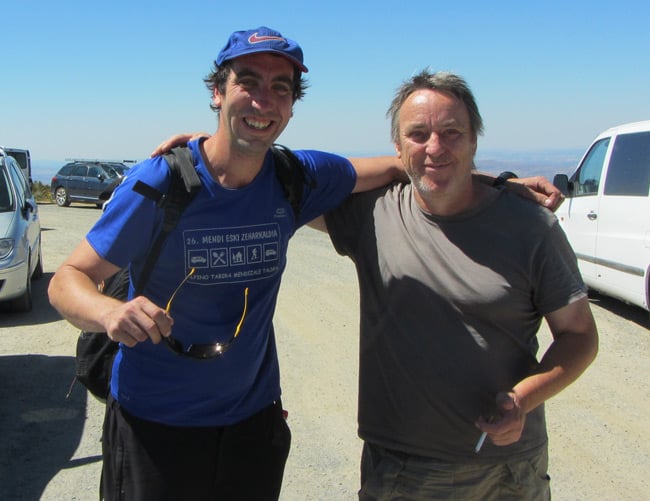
[
  {"x": 629, "y": 166},
  {"x": 587, "y": 178}
]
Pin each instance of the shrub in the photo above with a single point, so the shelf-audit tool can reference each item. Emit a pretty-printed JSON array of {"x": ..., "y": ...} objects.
[{"x": 41, "y": 192}]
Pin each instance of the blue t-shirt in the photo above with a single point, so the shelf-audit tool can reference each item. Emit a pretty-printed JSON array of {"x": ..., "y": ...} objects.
[{"x": 234, "y": 238}]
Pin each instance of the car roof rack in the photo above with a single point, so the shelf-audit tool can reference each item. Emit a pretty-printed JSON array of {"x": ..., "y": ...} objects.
[{"x": 100, "y": 161}]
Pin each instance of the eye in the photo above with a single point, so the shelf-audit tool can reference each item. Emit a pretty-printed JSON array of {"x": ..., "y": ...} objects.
[
  {"x": 282, "y": 89},
  {"x": 247, "y": 83},
  {"x": 417, "y": 136},
  {"x": 451, "y": 133}
]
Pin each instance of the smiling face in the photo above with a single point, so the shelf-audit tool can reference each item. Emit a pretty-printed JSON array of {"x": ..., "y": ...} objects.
[
  {"x": 257, "y": 103},
  {"x": 437, "y": 147}
]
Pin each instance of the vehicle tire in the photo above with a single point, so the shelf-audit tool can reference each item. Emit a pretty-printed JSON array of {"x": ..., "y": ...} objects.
[
  {"x": 23, "y": 304},
  {"x": 61, "y": 197},
  {"x": 38, "y": 271}
]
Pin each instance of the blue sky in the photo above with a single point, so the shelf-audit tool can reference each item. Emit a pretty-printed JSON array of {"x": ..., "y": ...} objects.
[{"x": 113, "y": 79}]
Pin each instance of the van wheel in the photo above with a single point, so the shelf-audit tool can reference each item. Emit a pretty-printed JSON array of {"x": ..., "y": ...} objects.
[{"x": 61, "y": 197}]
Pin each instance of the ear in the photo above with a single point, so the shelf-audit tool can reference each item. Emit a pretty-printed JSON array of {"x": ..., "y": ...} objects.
[
  {"x": 398, "y": 150},
  {"x": 216, "y": 98}
]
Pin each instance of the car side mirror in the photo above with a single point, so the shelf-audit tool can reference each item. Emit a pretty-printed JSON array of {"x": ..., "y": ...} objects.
[
  {"x": 561, "y": 182},
  {"x": 27, "y": 207}
]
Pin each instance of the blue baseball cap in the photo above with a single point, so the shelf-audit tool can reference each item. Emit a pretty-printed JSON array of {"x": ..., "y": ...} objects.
[{"x": 262, "y": 39}]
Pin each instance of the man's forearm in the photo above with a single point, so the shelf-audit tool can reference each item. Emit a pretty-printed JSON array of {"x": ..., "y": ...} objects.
[{"x": 374, "y": 172}]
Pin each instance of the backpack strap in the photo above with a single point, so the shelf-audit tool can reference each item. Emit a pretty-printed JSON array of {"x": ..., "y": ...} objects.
[
  {"x": 292, "y": 176},
  {"x": 185, "y": 184}
]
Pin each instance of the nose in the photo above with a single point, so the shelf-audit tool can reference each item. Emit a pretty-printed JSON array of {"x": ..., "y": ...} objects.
[
  {"x": 434, "y": 145},
  {"x": 262, "y": 99}
]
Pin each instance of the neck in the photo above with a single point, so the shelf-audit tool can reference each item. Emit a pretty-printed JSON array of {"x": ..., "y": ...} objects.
[
  {"x": 451, "y": 202},
  {"x": 229, "y": 167}
]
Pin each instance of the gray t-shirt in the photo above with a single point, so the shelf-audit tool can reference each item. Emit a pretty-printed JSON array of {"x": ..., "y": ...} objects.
[{"x": 450, "y": 308}]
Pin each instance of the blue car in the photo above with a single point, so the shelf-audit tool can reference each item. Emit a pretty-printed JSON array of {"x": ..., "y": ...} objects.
[
  {"x": 20, "y": 237},
  {"x": 85, "y": 182}
]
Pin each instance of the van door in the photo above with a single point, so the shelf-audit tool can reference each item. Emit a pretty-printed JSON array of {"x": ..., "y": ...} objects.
[
  {"x": 623, "y": 242},
  {"x": 580, "y": 221}
]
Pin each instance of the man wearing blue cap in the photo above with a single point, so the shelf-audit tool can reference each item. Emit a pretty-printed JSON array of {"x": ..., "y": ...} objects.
[{"x": 200, "y": 422}]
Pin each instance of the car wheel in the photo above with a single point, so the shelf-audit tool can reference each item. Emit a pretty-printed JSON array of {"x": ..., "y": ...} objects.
[
  {"x": 38, "y": 271},
  {"x": 61, "y": 197},
  {"x": 23, "y": 303}
]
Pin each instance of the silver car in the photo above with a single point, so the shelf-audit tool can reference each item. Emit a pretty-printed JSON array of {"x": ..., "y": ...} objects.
[{"x": 20, "y": 237}]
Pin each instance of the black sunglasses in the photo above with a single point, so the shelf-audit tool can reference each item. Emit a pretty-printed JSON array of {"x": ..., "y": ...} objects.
[{"x": 202, "y": 351}]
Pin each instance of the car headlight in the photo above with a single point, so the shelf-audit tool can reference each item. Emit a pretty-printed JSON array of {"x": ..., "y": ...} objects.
[{"x": 6, "y": 247}]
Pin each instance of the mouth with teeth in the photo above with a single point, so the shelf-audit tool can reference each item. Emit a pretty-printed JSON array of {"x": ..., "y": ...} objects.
[{"x": 258, "y": 124}]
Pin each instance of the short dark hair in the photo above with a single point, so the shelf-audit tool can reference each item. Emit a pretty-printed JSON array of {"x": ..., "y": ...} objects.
[
  {"x": 441, "y": 81},
  {"x": 219, "y": 76}
]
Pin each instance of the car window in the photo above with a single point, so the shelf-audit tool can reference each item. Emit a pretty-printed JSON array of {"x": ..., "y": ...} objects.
[
  {"x": 23, "y": 182},
  {"x": 95, "y": 171},
  {"x": 66, "y": 170},
  {"x": 111, "y": 170},
  {"x": 79, "y": 170},
  {"x": 6, "y": 194},
  {"x": 120, "y": 168},
  {"x": 22, "y": 190},
  {"x": 629, "y": 166},
  {"x": 587, "y": 179}
]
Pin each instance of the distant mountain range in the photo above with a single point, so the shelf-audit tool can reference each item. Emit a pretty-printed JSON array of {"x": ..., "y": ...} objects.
[
  {"x": 529, "y": 163},
  {"x": 523, "y": 163}
]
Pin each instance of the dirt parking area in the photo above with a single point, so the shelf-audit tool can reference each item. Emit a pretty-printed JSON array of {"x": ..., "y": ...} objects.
[{"x": 50, "y": 449}]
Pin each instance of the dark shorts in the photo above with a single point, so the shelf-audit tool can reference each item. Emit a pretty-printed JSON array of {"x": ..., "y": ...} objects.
[
  {"x": 388, "y": 475},
  {"x": 151, "y": 461}
]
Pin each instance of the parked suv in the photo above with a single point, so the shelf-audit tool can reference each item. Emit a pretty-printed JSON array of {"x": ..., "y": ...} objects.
[
  {"x": 20, "y": 237},
  {"x": 607, "y": 213},
  {"x": 83, "y": 181}
]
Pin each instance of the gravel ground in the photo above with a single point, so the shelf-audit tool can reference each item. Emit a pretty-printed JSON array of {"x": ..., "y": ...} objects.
[{"x": 49, "y": 445}]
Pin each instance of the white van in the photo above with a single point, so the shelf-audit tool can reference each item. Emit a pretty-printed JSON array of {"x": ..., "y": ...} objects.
[
  {"x": 23, "y": 159},
  {"x": 606, "y": 215}
]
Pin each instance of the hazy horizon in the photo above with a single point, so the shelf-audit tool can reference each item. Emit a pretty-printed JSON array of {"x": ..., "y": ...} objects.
[{"x": 523, "y": 162}]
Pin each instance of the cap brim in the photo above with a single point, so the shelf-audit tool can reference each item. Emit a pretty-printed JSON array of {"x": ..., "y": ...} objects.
[{"x": 292, "y": 60}]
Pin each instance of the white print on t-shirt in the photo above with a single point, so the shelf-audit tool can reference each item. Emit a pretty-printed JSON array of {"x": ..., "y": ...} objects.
[{"x": 230, "y": 255}]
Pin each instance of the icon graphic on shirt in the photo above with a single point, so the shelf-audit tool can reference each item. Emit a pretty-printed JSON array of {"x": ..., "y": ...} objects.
[
  {"x": 271, "y": 251},
  {"x": 237, "y": 256},
  {"x": 218, "y": 258},
  {"x": 254, "y": 253},
  {"x": 198, "y": 258}
]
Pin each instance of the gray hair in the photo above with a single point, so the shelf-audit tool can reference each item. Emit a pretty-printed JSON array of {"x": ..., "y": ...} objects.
[{"x": 441, "y": 81}]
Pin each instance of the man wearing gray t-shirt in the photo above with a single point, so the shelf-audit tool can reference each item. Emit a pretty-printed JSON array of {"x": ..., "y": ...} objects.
[{"x": 455, "y": 277}]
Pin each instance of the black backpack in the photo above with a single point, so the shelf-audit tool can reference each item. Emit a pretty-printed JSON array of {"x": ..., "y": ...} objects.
[{"x": 95, "y": 350}]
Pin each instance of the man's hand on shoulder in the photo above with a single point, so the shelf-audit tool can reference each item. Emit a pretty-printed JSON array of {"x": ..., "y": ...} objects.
[
  {"x": 539, "y": 189},
  {"x": 536, "y": 188},
  {"x": 177, "y": 140}
]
